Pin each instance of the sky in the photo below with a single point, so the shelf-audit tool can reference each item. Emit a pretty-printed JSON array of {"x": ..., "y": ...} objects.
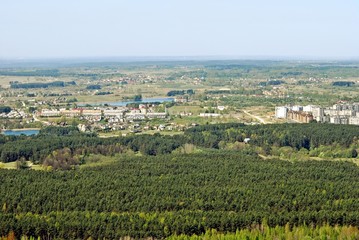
[{"x": 219, "y": 28}]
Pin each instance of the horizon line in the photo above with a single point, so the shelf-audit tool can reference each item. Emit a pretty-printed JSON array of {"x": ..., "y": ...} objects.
[{"x": 180, "y": 58}]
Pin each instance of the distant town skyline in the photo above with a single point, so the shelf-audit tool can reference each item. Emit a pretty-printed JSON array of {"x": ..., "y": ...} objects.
[{"x": 228, "y": 29}]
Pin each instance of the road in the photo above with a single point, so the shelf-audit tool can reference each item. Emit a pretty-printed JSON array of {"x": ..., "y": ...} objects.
[
  {"x": 38, "y": 120},
  {"x": 261, "y": 120}
]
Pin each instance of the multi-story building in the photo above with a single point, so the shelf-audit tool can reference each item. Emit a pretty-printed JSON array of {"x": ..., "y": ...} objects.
[
  {"x": 342, "y": 113},
  {"x": 354, "y": 120},
  {"x": 281, "y": 112}
]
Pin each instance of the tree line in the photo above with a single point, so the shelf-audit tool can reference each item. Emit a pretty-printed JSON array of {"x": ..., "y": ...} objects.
[
  {"x": 297, "y": 136},
  {"x": 314, "y": 137},
  {"x": 180, "y": 92},
  {"x": 38, "y": 72},
  {"x": 16, "y": 85},
  {"x": 38, "y": 148},
  {"x": 343, "y": 83}
]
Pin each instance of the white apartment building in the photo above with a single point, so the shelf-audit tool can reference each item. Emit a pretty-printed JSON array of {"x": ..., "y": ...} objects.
[{"x": 281, "y": 112}]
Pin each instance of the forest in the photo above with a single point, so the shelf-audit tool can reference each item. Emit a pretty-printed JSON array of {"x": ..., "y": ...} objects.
[
  {"x": 318, "y": 139},
  {"x": 343, "y": 84},
  {"x": 179, "y": 186},
  {"x": 16, "y": 85},
  {"x": 160, "y": 196},
  {"x": 294, "y": 135},
  {"x": 38, "y": 148}
]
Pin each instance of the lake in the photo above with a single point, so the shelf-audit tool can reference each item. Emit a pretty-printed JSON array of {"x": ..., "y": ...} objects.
[
  {"x": 124, "y": 103},
  {"x": 26, "y": 132}
]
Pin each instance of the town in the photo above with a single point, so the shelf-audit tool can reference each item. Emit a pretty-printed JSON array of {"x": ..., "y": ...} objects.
[{"x": 135, "y": 117}]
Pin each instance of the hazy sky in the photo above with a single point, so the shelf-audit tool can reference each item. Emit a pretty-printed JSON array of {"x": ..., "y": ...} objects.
[{"x": 251, "y": 28}]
